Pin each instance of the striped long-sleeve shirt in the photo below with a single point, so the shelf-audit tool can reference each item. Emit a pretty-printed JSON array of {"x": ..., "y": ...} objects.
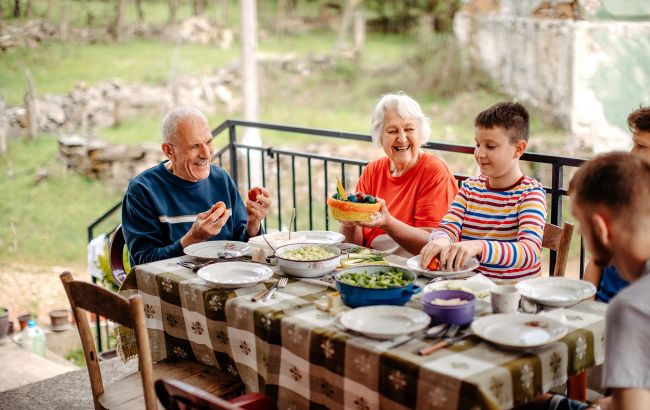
[{"x": 510, "y": 222}]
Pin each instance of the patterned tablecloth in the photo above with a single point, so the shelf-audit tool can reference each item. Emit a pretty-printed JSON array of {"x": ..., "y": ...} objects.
[{"x": 289, "y": 350}]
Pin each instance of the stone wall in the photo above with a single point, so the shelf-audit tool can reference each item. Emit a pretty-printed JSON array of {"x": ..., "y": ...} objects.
[{"x": 585, "y": 76}]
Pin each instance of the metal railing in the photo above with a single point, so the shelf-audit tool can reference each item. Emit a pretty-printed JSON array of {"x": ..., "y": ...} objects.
[{"x": 283, "y": 164}]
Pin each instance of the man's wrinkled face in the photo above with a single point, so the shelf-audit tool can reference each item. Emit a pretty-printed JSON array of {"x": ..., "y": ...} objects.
[
  {"x": 190, "y": 151},
  {"x": 601, "y": 255}
]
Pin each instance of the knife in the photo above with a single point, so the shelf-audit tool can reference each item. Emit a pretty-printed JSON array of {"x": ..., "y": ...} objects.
[{"x": 443, "y": 343}]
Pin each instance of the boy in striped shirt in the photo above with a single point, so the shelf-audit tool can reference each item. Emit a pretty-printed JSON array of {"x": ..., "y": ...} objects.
[{"x": 499, "y": 216}]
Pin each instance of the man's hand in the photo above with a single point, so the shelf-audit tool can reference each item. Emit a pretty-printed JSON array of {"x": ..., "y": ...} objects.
[
  {"x": 431, "y": 250},
  {"x": 258, "y": 206},
  {"x": 457, "y": 254},
  {"x": 207, "y": 224}
]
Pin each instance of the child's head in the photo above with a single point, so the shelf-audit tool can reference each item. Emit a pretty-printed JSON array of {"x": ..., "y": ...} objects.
[
  {"x": 501, "y": 137},
  {"x": 510, "y": 116},
  {"x": 639, "y": 124}
]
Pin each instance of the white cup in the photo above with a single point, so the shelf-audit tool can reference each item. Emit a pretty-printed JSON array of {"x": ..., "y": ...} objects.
[{"x": 505, "y": 299}]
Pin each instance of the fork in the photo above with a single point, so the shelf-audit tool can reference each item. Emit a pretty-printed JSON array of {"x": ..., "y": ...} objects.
[{"x": 281, "y": 283}]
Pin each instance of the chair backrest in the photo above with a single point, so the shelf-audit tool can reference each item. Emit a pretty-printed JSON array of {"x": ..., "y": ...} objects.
[
  {"x": 87, "y": 297},
  {"x": 559, "y": 240},
  {"x": 117, "y": 256},
  {"x": 176, "y": 395}
]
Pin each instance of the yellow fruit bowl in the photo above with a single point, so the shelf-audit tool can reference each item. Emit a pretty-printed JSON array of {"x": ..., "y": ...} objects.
[{"x": 351, "y": 211}]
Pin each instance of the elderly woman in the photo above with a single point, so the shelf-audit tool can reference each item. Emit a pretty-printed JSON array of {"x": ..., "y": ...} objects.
[{"x": 413, "y": 187}]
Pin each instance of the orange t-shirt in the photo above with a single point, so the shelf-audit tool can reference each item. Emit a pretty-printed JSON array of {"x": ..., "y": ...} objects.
[{"x": 420, "y": 197}]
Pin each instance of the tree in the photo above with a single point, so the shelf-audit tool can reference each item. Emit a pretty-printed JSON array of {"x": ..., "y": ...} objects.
[
  {"x": 173, "y": 8},
  {"x": 16, "y": 8},
  {"x": 139, "y": 10},
  {"x": 198, "y": 6},
  {"x": 29, "y": 9},
  {"x": 118, "y": 23}
]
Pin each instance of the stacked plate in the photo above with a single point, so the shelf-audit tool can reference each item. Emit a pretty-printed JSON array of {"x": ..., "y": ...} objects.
[
  {"x": 218, "y": 249},
  {"x": 556, "y": 292},
  {"x": 232, "y": 275}
]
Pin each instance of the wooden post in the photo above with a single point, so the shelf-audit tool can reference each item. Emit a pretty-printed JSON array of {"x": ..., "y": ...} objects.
[
  {"x": 173, "y": 7},
  {"x": 63, "y": 21},
  {"x": 3, "y": 129},
  {"x": 31, "y": 107},
  {"x": 359, "y": 37}
]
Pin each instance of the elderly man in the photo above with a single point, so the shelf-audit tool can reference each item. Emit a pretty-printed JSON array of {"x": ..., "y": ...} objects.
[{"x": 178, "y": 202}]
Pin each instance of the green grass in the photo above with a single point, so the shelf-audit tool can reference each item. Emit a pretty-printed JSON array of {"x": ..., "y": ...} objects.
[{"x": 46, "y": 222}]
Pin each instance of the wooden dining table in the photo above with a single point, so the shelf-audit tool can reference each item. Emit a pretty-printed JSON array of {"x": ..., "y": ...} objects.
[{"x": 297, "y": 354}]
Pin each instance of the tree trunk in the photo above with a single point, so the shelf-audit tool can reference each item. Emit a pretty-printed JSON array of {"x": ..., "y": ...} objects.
[
  {"x": 31, "y": 107},
  {"x": 140, "y": 11},
  {"x": 224, "y": 10},
  {"x": 359, "y": 32},
  {"x": 16, "y": 8},
  {"x": 48, "y": 9},
  {"x": 173, "y": 8},
  {"x": 118, "y": 23},
  {"x": 346, "y": 24},
  {"x": 29, "y": 9},
  {"x": 250, "y": 90},
  {"x": 2, "y": 18},
  {"x": 3, "y": 129},
  {"x": 198, "y": 7},
  {"x": 63, "y": 22}
]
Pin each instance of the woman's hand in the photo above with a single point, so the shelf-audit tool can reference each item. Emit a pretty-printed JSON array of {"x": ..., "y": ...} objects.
[
  {"x": 380, "y": 218},
  {"x": 457, "y": 254},
  {"x": 431, "y": 250}
]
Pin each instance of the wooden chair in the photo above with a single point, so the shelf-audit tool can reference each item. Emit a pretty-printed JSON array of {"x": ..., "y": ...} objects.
[
  {"x": 558, "y": 239},
  {"x": 117, "y": 256},
  {"x": 176, "y": 395},
  {"x": 135, "y": 391}
]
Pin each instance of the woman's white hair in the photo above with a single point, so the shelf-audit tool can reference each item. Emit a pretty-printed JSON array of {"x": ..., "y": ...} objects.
[
  {"x": 407, "y": 108},
  {"x": 176, "y": 115}
]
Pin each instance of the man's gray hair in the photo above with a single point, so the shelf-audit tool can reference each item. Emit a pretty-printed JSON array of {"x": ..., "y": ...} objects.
[
  {"x": 407, "y": 108},
  {"x": 173, "y": 117}
]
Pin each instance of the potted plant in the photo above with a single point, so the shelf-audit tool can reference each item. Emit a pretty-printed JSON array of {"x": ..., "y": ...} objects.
[{"x": 4, "y": 322}]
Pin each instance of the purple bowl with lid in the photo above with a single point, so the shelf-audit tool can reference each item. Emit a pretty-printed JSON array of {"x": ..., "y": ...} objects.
[{"x": 461, "y": 315}]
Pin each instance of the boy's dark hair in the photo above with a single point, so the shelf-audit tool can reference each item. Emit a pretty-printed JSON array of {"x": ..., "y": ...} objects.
[
  {"x": 639, "y": 120},
  {"x": 619, "y": 181},
  {"x": 510, "y": 116}
]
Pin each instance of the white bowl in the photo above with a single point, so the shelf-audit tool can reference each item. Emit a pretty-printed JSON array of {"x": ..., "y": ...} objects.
[{"x": 311, "y": 268}]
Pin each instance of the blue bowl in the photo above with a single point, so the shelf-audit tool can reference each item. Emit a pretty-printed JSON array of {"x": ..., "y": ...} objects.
[
  {"x": 357, "y": 296},
  {"x": 461, "y": 315}
]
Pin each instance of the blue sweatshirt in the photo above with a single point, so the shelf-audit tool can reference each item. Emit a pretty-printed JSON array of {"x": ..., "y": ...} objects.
[{"x": 159, "y": 208}]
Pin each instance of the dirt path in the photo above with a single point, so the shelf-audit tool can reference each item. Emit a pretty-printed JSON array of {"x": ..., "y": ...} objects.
[{"x": 35, "y": 289}]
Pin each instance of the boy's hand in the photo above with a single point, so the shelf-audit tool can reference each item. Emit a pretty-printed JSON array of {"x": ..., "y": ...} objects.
[
  {"x": 457, "y": 254},
  {"x": 432, "y": 249}
]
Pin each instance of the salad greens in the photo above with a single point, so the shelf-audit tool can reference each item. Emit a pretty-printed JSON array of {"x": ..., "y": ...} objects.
[{"x": 392, "y": 278}]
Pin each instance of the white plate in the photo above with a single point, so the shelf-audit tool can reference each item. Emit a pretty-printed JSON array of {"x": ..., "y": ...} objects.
[
  {"x": 473, "y": 287},
  {"x": 557, "y": 292},
  {"x": 385, "y": 322},
  {"x": 518, "y": 330},
  {"x": 211, "y": 249},
  {"x": 414, "y": 265},
  {"x": 230, "y": 275}
]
